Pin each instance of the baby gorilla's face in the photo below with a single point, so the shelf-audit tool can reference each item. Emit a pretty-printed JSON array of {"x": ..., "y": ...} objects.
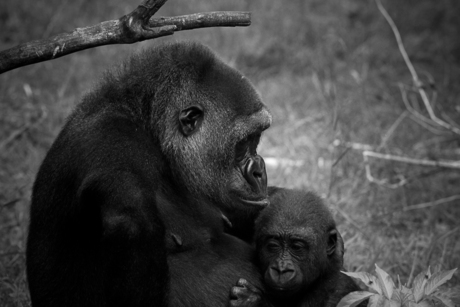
[
  {"x": 296, "y": 240},
  {"x": 288, "y": 261},
  {"x": 294, "y": 259}
]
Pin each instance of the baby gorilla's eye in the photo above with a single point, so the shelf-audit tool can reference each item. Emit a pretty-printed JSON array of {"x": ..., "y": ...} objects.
[
  {"x": 272, "y": 246},
  {"x": 298, "y": 246}
]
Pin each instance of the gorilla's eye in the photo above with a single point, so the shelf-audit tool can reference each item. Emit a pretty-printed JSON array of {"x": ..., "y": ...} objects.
[
  {"x": 254, "y": 142},
  {"x": 297, "y": 246},
  {"x": 272, "y": 246},
  {"x": 246, "y": 146},
  {"x": 241, "y": 149}
]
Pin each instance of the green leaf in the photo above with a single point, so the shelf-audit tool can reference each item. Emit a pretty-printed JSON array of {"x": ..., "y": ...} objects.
[
  {"x": 402, "y": 295},
  {"x": 354, "y": 298},
  {"x": 385, "y": 282},
  {"x": 449, "y": 297},
  {"x": 425, "y": 303},
  {"x": 437, "y": 268},
  {"x": 378, "y": 301},
  {"x": 437, "y": 280},
  {"x": 406, "y": 291},
  {"x": 428, "y": 271},
  {"x": 368, "y": 279},
  {"x": 420, "y": 282}
]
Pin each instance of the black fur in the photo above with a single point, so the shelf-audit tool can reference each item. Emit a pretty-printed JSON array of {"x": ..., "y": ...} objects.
[
  {"x": 133, "y": 173},
  {"x": 300, "y": 255}
]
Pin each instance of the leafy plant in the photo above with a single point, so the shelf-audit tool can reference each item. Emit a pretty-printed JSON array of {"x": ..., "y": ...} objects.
[{"x": 425, "y": 291}]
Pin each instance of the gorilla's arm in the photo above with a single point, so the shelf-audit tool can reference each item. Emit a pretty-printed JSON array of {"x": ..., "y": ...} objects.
[
  {"x": 131, "y": 235},
  {"x": 245, "y": 294}
]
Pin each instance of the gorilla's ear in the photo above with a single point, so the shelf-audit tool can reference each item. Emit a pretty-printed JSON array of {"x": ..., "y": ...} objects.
[
  {"x": 190, "y": 119},
  {"x": 335, "y": 243}
]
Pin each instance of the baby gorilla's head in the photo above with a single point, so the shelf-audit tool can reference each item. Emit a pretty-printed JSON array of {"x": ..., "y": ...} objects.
[{"x": 297, "y": 242}]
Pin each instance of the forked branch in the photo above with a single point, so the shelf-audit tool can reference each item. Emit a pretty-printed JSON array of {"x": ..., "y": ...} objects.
[
  {"x": 131, "y": 28},
  {"x": 418, "y": 84}
]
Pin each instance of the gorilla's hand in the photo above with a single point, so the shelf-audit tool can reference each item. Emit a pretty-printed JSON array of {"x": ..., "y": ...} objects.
[{"x": 244, "y": 294}]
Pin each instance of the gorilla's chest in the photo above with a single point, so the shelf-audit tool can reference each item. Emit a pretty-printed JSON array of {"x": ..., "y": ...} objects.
[
  {"x": 204, "y": 262},
  {"x": 203, "y": 271}
]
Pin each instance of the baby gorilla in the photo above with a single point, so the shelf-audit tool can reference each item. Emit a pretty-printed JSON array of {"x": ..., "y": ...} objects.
[{"x": 300, "y": 255}]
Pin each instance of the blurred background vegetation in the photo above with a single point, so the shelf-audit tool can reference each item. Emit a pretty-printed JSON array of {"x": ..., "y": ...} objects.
[{"x": 328, "y": 70}]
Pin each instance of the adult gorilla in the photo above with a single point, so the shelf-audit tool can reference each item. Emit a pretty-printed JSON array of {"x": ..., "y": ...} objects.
[{"x": 127, "y": 205}]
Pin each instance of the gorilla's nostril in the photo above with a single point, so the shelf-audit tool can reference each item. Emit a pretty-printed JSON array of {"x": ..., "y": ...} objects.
[{"x": 257, "y": 174}]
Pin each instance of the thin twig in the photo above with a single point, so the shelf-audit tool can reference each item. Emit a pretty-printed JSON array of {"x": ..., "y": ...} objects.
[
  {"x": 54, "y": 18},
  {"x": 349, "y": 219},
  {"x": 427, "y": 126},
  {"x": 340, "y": 157},
  {"x": 448, "y": 119},
  {"x": 352, "y": 145},
  {"x": 15, "y": 134},
  {"x": 412, "y": 270},
  {"x": 384, "y": 182},
  {"x": 432, "y": 203},
  {"x": 440, "y": 163},
  {"x": 413, "y": 72},
  {"x": 392, "y": 129},
  {"x": 419, "y": 118},
  {"x": 448, "y": 233},
  {"x": 367, "y": 151}
]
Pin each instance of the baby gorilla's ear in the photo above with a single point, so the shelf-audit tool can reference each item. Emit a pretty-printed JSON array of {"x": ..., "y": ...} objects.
[
  {"x": 334, "y": 243},
  {"x": 331, "y": 242},
  {"x": 335, "y": 246}
]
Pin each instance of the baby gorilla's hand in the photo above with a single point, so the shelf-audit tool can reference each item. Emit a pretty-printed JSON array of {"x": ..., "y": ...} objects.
[{"x": 244, "y": 294}]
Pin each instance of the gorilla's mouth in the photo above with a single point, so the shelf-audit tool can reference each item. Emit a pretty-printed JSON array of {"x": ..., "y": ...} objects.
[
  {"x": 258, "y": 203},
  {"x": 284, "y": 291}
]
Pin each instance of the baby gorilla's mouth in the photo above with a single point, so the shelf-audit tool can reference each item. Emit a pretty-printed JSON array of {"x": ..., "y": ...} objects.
[{"x": 284, "y": 291}]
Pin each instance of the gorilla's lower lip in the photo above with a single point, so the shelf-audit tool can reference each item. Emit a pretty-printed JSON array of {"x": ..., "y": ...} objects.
[
  {"x": 284, "y": 290},
  {"x": 279, "y": 289},
  {"x": 262, "y": 202}
]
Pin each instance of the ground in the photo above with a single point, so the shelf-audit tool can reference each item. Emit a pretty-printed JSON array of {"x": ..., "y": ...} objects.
[{"x": 329, "y": 72}]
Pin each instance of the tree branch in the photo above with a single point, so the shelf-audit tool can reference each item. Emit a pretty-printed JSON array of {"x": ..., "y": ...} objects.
[{"x": 131, "y": 28}]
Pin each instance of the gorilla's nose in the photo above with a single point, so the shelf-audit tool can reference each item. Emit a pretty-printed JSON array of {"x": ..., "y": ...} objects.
[
  {"x": 256, "y": 174},
  {"x": 281, "y": 275}
]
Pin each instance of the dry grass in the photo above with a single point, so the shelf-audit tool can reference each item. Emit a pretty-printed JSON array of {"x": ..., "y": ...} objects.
[{"x": 327, "y": 69}]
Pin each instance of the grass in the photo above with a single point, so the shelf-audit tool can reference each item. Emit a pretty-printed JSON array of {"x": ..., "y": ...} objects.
[{"x": 328, "y": 70}]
